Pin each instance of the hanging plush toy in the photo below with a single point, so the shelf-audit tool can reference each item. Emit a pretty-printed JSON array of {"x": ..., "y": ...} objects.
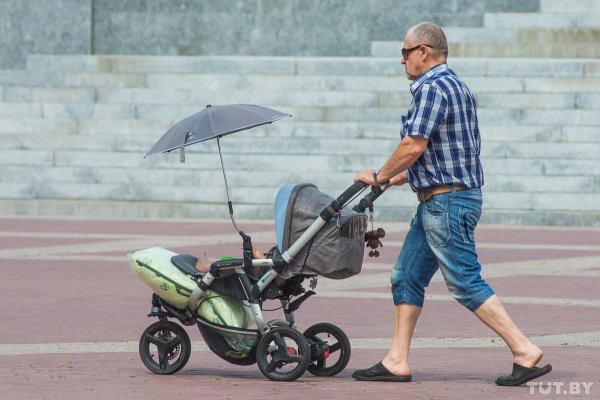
[{"x": 372, "y": 238}]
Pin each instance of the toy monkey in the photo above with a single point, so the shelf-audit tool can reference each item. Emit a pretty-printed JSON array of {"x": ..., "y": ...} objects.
[{"x": 372, "y": 238}]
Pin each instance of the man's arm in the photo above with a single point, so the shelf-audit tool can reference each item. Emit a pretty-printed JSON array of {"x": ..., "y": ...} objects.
[
  {"x": 405, "y": 155},
  {"x": 407, "y": 152}
]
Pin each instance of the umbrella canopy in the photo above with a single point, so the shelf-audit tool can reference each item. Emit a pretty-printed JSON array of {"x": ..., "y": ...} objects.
[{"x": 214, "y": 122}]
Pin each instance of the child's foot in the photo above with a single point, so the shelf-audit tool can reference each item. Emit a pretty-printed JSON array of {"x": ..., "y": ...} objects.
[
  {"x": 203, "y": 263},
  {"x": 256, "y": 253}
]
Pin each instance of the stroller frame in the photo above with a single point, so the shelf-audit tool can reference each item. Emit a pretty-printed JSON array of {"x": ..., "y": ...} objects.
[{"x": 270, "y": 348}]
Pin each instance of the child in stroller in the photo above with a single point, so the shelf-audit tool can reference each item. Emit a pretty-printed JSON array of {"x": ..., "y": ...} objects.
[
  {"x": 225, "y": 300},
  {"x": 203, "y": 263}
]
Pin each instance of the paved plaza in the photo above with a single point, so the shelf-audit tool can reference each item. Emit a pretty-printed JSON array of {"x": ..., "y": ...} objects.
[{"x": 73, "y": 312}]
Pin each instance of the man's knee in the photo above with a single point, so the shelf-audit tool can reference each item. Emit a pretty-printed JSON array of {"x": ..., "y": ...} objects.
[{"x": 472, "y": 299}]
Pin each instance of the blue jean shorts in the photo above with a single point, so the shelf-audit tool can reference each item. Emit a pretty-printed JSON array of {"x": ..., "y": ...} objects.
[{"x": 441, "y": 235}]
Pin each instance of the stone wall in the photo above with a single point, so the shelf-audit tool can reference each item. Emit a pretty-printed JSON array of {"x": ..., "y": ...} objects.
[{"x": 223, "y": 27}]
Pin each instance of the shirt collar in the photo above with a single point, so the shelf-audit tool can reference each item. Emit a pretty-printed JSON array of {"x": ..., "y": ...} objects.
[{"x": 428, "y": 74}]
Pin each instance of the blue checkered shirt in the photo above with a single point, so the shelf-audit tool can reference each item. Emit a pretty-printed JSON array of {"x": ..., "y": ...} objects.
[{"x": 443, "y": 112}]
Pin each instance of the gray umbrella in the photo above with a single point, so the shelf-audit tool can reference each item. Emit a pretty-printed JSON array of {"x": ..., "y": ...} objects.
[{"x": 213, "y": 122}]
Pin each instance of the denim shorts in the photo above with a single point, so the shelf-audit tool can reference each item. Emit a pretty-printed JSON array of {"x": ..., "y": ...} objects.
[{"x": 441, "y": 235}]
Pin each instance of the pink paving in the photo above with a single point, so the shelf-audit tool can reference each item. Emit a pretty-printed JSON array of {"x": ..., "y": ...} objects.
[{"x": 67, "y": 281}]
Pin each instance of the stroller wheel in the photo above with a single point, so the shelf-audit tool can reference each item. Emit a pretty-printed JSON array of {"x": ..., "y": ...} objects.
[
  {"x": 330, "y": 349},
  {"x": 165, "y": 347},
  {"x": 283, "y": 354}
]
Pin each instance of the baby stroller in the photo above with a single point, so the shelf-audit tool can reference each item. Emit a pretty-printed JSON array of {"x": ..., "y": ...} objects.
[{"x": 316, "y": 236}]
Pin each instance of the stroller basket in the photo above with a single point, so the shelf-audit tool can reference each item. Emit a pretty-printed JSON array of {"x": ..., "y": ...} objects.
[{"x": 336, "y": 251}]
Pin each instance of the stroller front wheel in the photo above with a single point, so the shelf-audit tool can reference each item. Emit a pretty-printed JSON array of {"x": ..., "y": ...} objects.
[
  {"x": 330, "y": 349},
  {"x": 283, "y": 354},
  {"x": 165, "y": 347}
]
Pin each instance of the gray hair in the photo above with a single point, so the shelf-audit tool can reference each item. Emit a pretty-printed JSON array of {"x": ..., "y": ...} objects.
[{"x": 431, "y": 34}]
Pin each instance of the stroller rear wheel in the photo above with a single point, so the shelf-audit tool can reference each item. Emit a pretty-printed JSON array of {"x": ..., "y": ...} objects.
[
  {"x": 330, "y": 349},
  {"x": 283, "y": 354},
  {"x": 165, "y": 347}
]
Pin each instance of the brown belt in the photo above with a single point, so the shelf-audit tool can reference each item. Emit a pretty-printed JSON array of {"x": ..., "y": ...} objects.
[{"x": 427, "y": 194}]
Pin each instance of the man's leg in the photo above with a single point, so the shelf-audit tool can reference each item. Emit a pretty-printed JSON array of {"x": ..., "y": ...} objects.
[
  {"x": 396, "y": 360},
  {"x": 458, "y": 263},
  {"x": 493, "y": 314},
  {"x": 412, "y": 272}
]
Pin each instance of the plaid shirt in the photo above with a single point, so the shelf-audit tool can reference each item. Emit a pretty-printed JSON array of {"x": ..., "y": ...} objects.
[{"x": 443, "y": 112}]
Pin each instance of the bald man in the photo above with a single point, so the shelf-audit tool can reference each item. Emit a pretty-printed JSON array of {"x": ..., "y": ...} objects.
[{"x": 438, "y": 156}]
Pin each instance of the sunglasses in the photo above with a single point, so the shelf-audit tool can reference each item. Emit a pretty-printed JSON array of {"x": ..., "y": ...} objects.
[{"x": 406, "y": 51}]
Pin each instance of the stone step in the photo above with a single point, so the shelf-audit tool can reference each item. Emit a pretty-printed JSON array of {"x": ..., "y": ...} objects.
[
  {"x": 168, "y": 177},
  {"x": 559, "y": 19},
  {"x": 297, "y": 133},
  {"x": 296, "y": 145},
  {"x": 582, "y": 6},
  {"x": 577, "y": 110},
  {"x": 206, "y": 193},
  {"x": 293, "y": 98},
  {"x": 544, "y": 50},
  {"x": 245, "y": 212},
  {"x": 507, "y": 193},
  {"x": 526, "y": 93},
  {"x": 520, "y": 49},
  {"x": 478, "y": 35},
  {"x": 116, "y": 106},
  {"x": 343, "y": 156},
  {"x": 179, "y": 64},
  {"x": 511, "y": 197},
  {"x": 142, "y": 103},
  {"x": 51, "y": 109},
  {"x": 544, "y": 36},
  {"x": 18, "y": 125},
  {"x": 107, "y": 179},
  {"x": 71, "y": 78},
  {"x": 323, "y": 67}
]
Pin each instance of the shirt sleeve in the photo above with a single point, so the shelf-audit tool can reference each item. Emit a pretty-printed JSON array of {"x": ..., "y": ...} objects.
[{"x": 428, "y": 112}]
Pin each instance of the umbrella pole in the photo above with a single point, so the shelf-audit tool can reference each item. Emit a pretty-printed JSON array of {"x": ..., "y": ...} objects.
[
  {"x": 229, "y": 203},
  {"x": 247, "y": 241}
]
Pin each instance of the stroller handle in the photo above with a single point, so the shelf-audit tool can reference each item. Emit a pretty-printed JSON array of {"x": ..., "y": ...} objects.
[
  {"x": 350, "y": 193},
  {"x": 367, "y": 201}
]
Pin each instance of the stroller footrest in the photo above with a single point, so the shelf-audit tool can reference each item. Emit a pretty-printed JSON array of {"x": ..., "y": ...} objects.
[{"x": 294, "y": 305}]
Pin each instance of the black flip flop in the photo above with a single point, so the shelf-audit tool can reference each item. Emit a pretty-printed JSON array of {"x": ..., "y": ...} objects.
[
  {"x": 379, "y": 372},
  {"x": 521, "y": 374}
]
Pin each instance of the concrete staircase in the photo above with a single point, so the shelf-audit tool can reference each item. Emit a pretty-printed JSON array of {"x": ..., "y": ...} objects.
[{"x": 74, "y": 131}]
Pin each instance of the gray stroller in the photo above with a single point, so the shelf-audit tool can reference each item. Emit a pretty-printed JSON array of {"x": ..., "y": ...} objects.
[{"x": 316, "y": 236}]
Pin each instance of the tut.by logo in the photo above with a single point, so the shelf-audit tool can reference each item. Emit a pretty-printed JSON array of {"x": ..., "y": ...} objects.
[{"x": 566, "y": 388}]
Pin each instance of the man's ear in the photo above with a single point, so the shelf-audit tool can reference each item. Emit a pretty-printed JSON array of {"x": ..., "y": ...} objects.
[{"x": 425, "y": 54}]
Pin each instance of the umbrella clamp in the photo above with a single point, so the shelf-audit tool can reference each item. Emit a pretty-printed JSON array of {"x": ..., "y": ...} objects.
[{"x": 182, "y": 148}]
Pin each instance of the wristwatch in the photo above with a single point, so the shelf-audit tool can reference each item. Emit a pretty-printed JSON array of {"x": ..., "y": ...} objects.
[{"x": 377, "y": 182}]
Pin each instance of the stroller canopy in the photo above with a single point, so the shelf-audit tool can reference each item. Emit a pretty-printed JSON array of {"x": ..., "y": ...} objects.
[{"x": 336, "y": 251}]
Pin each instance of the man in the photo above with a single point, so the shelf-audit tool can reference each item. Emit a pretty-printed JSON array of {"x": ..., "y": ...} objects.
[{"x": 438, "y": 156}]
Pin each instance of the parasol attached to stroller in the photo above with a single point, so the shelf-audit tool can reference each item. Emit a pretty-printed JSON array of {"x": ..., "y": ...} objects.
[{"x": 316, "y": 235}]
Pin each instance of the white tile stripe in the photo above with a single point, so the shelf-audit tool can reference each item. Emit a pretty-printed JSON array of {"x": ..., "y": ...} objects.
[{"x": 590, "y": 339}]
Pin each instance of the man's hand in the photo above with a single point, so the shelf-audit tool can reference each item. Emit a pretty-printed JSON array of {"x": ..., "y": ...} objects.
[{"x": 366, "y": 176}]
